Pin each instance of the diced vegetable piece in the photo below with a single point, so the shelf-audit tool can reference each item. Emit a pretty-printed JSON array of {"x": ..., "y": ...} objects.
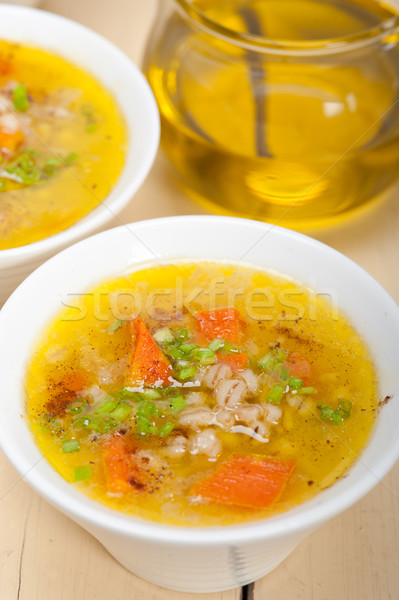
[
  {"x": 107, "y": 406},
  {"x": 68, "y": 160},
  {"x": 182, "y": 334},
  {"x": 204, "y": 356},
  {"x": 299, "y": 367},
  {"x": 121, "y": 472},
  {"x": 225, "y": 323},
  {"x": 276, "y": 393},
  {"x": 149, "y": 365},
  {"x": 11, "y": 141},
  {"x": 177, "y": 404},
  {"x": 81, "y": 473},
  {"x": 308, "y": 390},
  {"x": 126, "y": 393},
  {"x": 115, "y": 326},
  {"x": 166, "y": 429},
  {"x": 70, "y": 446},
  {"x": 20, "y": 98},
  {"x": 247, "y": 480},
  {"x": 272, "y": 361},
  {"x": 267, "y": 362},
  {"x": 164, "y": 336},
  {"x": 295, "y": 383},
  {"x": 284, "y": 374},
  {"x": 335, "y": 416},
  {"x": 151, "y": 394},
  {"x": 122, "y": 411},
  {"x": 236, "y": 362},
  {"x": 187, "y": 348},
  {"x": 173, "y": 352},
  {"x": 77, "y": 407},
  {"x": 186, "y": 373}
]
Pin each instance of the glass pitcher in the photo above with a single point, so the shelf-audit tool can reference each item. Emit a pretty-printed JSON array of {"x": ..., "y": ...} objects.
[{"x": 280, "y": 110}]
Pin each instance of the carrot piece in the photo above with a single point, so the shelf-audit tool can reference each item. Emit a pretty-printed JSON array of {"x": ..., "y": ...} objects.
[
  {"x": 121, "y": 472},
  {"x": 247, "y": 480},
  {"x": 236, "y": 362},
  {"x": 223, "y": 323},
  {"x": 11, "y": 141},
  {"x": 299, "y": 366},
  {"x": 149, "y": 365}
]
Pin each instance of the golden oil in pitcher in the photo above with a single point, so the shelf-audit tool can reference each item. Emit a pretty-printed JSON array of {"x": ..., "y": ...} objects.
[{"x": 281, "y": 110}]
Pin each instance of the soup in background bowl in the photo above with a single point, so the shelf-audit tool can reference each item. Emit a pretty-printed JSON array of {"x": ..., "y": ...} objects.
[
  {"x": 203, "y": 557},
  {"x": 79, "y": 130}
]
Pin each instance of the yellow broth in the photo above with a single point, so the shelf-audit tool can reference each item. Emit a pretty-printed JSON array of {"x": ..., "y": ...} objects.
[
  {"x": 70, "y": 144},
  {"x": 91, "y": 335}
]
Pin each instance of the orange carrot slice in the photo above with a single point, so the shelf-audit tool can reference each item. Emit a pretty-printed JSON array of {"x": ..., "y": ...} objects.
[
  {"x": 299, "y": 366},
  {"x": 236, "y": 362},
  {"x": 121, "y": 472},
  {"x": 11, "y": 141},
  {"x": 247, "y": 480},
  {"x": 149, "y": 365},
  {"x": 223, "y": 323}
]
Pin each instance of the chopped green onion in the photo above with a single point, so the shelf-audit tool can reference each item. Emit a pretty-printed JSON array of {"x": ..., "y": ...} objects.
[
  {"x": 345, "y": 406},
  {"x": 276, "y": 393},
  {"x": 50, "y": 165},
  {"x": 335, "y": 416},
  {"x": 96, "y": 424},
  {"x": 77, "y": 407},
  {"x": 284, "y": 374},
  {"x": 121, "y": 412},
  {"x": 47, "y": 421},
  {"x": 163, "y": 336},
  {"x": 166, "y": 429},
  {"x": 267, "y": 362},
  {"x": 216, "y": 344},
  {"x": 147, "y": 409},
  {"x": 186, "y": 372},
  {"x": 308, "y": 390},
  {"x": 81, "y": 473},
  {"x": 107, "y": 406},
  {"x": 173, "y": 352},
  {"x": 177, "y": 404},
  {"x": 151, "y": 394},
  {"x": 220, "y": 344},
  {"x": 92, "y": 127},
  {"x": 204, "y": 356},
  {"x": 281, "y": 355},
  {"x": 70, "y": 446},
  {"x": 68, "y": 160},
  {"x": 144, "y": 426},
  {"x": 115, "y": 326},
  {"x": 295, "y": 383},
  {"x": 125, "y": 393},
  {"x": 20, "y": 98},
  {"x": 187, "y": 348},
  {"x": 182, "y": 334}
]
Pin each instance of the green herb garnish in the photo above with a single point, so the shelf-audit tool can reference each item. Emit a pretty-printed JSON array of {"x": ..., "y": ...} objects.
[
  {"x": 81, "y": 473},
  {"x": 70, "y": 446},
  {"x": 20, "y": 98}
]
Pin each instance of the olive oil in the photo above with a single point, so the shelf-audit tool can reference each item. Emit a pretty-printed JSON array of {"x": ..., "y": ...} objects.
[{"x": 300, "y": 130}]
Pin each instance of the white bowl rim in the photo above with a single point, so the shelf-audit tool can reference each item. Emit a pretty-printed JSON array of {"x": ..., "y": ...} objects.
[
  {"x": 88, "y": 512},
  {"x": 101, "y": 213}
]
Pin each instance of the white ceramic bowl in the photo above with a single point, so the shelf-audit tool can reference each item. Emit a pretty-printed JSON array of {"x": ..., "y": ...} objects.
[
  {"x": 123, "y": 79},
  {"x": 193, "y": 559}
]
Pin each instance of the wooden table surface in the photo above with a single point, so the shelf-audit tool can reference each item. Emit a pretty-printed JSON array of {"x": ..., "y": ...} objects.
[{"x": 45, "y": 556}]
